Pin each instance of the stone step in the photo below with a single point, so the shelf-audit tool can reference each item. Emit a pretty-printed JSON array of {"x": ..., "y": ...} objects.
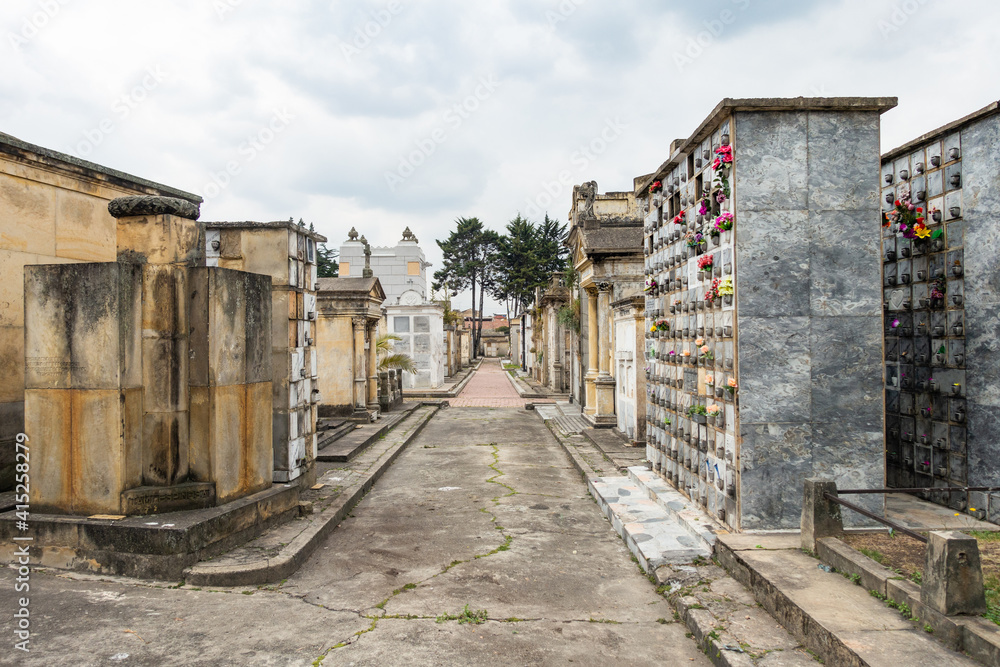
[
  {"x": 335, "y": 432},
  {"x": 355, "y": 440},
  {"x": 652, "y": 534},
  {"x": 699, "y": 524}
]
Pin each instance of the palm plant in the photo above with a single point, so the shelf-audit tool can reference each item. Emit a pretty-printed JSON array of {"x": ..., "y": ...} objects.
[{"x": 387, "y": 359}]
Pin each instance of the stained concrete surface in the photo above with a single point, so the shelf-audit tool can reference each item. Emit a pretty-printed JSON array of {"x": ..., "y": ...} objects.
[{"x": 483, "y": 511}]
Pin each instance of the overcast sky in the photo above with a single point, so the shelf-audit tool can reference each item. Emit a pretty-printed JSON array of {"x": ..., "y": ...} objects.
[{"x": 387, "y": 114}]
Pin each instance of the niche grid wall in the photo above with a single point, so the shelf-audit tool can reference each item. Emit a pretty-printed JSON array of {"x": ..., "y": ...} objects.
[
  {"x": 941, "y": 308},
  {"x": 794, "y": 321}
]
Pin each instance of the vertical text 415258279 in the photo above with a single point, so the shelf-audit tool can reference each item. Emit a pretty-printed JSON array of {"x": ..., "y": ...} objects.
[{"x": 22, "y": 627}]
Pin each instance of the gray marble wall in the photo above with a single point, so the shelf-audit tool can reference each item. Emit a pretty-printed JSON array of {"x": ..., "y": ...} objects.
[
  {"x": 808, "y": 297},
  {"x": 981, "y": 194}
]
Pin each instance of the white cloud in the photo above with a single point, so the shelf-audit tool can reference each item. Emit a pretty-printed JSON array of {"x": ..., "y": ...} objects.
[{"x": 356, "y": 117}]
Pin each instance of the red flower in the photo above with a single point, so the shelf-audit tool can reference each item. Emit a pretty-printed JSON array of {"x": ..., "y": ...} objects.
[
  {"x": 897, "y": 202},
  {"x": 920, "y": 210}
]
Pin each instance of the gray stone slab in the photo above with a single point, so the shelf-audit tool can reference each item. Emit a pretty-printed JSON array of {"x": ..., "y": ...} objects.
[
  {"x": 775, "y": 375},
  {"x": 771, "y": 171},
  {"x": 776, "y": 458},
  {"x": 846, "y": 371},
  {"x": 843, "y": 160},
  {"x": 845, "y": 278},
  {"x": 773, "y": 256}
]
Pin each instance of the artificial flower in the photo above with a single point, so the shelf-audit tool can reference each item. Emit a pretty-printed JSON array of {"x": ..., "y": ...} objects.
[
  {"x": 704, "y": 349},
  {"x": 709, "y": 379},
  {"x": 732, "y": 383},
  {"x": 699, "y": 342}
]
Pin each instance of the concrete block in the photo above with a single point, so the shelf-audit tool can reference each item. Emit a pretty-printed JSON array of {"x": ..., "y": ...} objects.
[
  {"x": 159, "y": 239},
  {"x": 165, "y": 447},
  {"x": 165, "y": 374},
  {"x": 48, "y": 420},
  {"x": 200, "y": 434},
  {"x": 258, "y": 328},
  {"x": 84, "y": 230},
  {"x": 164, "y": 311},
  {"x": 227, "y": 327},
  {"x": 97, "y": 456},
  {"x": 953, "y": 575},
  {"x": 820, "y": 517},
  {"x": 29, "y": 215},
  {"x": 11, "y": 365},
  {"x": 258, "y": 458},
  {"x": 158, "y": 499},
  {"x": 47, "y": 345}
]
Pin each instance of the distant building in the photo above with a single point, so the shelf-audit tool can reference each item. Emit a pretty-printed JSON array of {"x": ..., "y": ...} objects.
[
  {"x": 409, "y": 312},
  {"x": 402, "y": 270}
]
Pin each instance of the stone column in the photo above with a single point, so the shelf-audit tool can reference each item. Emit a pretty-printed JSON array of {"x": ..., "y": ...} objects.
[
  {"x": 592, "y": 351},
  {"x": 604, "y": 384},
  {"x": 546, "y": 378},
  {"x": 604, "y": 323},
  {"x": 360, "y": 377},
  {"x": 557, "y": 355},
  {"x": 373, "y": 365}
]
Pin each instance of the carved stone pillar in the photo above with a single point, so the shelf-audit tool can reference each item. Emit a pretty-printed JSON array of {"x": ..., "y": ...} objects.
[
  {"x": 604, "y": 325},
  {"x": 604, "y": 384},
  {"x": 592, "y": 351},
  {"x": 360, "y": 377},
  {"x": 373, "y": 403}
]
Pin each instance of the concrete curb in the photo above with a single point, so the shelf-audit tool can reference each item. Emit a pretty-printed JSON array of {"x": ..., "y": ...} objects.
[
  {"x": 582, "y": 466},
  {"x": 414, "y": 394},
  {"x": 719, "y": 646},
  {"x": 294, "y": 554},
  {"x": 978, "y": 638},
  {"x": 831, "y": 643}
]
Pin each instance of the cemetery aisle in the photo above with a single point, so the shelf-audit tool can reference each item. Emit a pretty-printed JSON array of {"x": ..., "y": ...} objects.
[
  {"x": 479, "y": 546},
  {"x": 488, "y": 388},
  {"x": 483, "y": 517}
]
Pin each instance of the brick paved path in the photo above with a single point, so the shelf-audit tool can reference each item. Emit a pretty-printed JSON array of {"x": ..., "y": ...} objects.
[{"x": 488, "y": 388}]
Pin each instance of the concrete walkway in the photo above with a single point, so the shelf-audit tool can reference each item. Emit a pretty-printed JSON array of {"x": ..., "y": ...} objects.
[
  {"x": 488, "y": 388},
  {"x": 479, "y": 546}
]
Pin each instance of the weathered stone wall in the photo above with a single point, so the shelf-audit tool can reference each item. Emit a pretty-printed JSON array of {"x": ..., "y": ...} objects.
[
  {"x": 230, "y": 381},
  {"x": 336, "y": 365},
  {"x": 941, "y": 300},
  {"x": 53, "y": 210},
  {"x": 83, "y": 393},
  {"x": 287, "y": 253}
]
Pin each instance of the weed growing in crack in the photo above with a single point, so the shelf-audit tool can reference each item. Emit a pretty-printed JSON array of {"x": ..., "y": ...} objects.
[{"x": 475, "y": 617}]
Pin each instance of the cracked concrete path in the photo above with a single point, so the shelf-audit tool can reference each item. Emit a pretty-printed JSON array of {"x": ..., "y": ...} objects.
[{"x": 479, "y": 546}]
